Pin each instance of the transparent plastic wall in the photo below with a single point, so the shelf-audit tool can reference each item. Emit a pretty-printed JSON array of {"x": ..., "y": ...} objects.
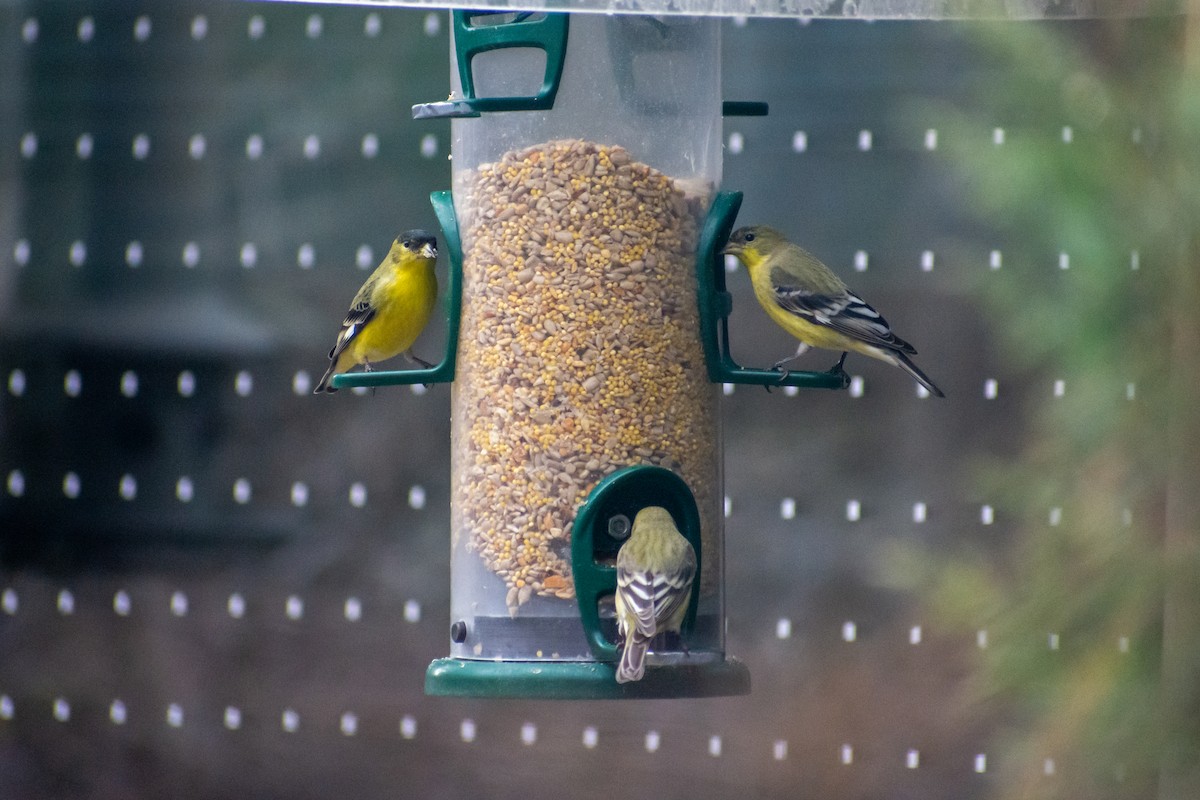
[{"x": 579, "y": 352}]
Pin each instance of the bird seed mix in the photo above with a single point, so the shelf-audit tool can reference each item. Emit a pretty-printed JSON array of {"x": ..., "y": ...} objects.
[{"x": 579, "y": 352}]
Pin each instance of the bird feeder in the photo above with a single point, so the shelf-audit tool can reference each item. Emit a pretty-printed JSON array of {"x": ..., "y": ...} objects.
[{"x": 588, "y": 343}]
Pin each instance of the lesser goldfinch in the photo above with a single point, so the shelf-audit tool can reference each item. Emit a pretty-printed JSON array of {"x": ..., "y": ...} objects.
[
  {"x": 390, "y": 310},
  {"x": 655, "y": 568},
  {"x": 808, "y": 301}
]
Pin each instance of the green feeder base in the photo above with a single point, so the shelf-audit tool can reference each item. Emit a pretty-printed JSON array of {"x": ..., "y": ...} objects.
[{"x": 582, "y": 680}]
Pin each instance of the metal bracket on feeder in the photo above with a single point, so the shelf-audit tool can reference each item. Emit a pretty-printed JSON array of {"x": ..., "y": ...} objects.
[
  {"x": 716, "y": 303},
  {"x": 525, "y": 29},
  {"x": 442, "y": 372}
]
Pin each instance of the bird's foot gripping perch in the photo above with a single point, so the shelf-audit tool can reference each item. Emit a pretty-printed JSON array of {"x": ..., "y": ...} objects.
[
  {"x": 411, "y": 356},
  {"x": 783, "y": 373},
  {"x": 778, "y": 365},
  {"x": 367, "y": 368},
  {"x": 837, "y": 369}
]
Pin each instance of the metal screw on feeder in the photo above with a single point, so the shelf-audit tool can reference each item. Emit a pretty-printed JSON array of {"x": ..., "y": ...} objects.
[{"x": 619, "y": 527}]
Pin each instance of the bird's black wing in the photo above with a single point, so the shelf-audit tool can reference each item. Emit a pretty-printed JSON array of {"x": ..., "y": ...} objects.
[
  {"x": 358, "y": 316},
  {"x": 654, "y": 596},
  {"x": 844, "y": 312}
]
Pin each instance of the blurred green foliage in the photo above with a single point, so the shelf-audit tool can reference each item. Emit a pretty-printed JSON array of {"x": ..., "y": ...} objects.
[{"x": 1099, "y": 159}]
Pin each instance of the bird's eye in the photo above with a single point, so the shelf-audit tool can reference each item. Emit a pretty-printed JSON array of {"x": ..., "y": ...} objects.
[{"x": 749, "y": 237}]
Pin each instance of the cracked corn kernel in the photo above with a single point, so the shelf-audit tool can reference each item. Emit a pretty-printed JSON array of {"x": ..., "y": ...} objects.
[{"x": 579, "y": 352}]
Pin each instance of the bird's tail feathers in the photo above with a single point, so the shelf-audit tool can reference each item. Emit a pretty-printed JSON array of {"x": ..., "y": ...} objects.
[
  {"x": 323, "y": 385},
  {"x": 633, "y": 659},
  {"x": 905, "y": 363}
]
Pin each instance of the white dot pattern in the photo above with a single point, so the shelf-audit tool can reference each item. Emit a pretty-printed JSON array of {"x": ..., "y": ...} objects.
[{"x": 343, "y": 491}]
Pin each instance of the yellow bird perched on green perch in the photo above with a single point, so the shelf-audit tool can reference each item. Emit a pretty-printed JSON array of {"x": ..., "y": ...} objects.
[
  {"x": 390, "y": 310},
  {"x": 808, "y": 301}
]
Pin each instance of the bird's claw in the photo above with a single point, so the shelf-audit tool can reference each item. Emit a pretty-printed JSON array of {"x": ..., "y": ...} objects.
[
  {"x": 839, "y": 370},
  {"x": 424, "y": 365},
  {"x": 367, "y": 368},
  {"x": 783, "y": 374}
]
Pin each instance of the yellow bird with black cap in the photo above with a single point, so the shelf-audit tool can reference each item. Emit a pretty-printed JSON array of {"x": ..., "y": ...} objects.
[{"x": 390, "y": 310}]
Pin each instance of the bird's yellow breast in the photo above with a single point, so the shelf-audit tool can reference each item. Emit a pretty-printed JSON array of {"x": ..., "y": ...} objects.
[
  {"x": 808, "y": 332},
  {"x": 403, "y": 303}
]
